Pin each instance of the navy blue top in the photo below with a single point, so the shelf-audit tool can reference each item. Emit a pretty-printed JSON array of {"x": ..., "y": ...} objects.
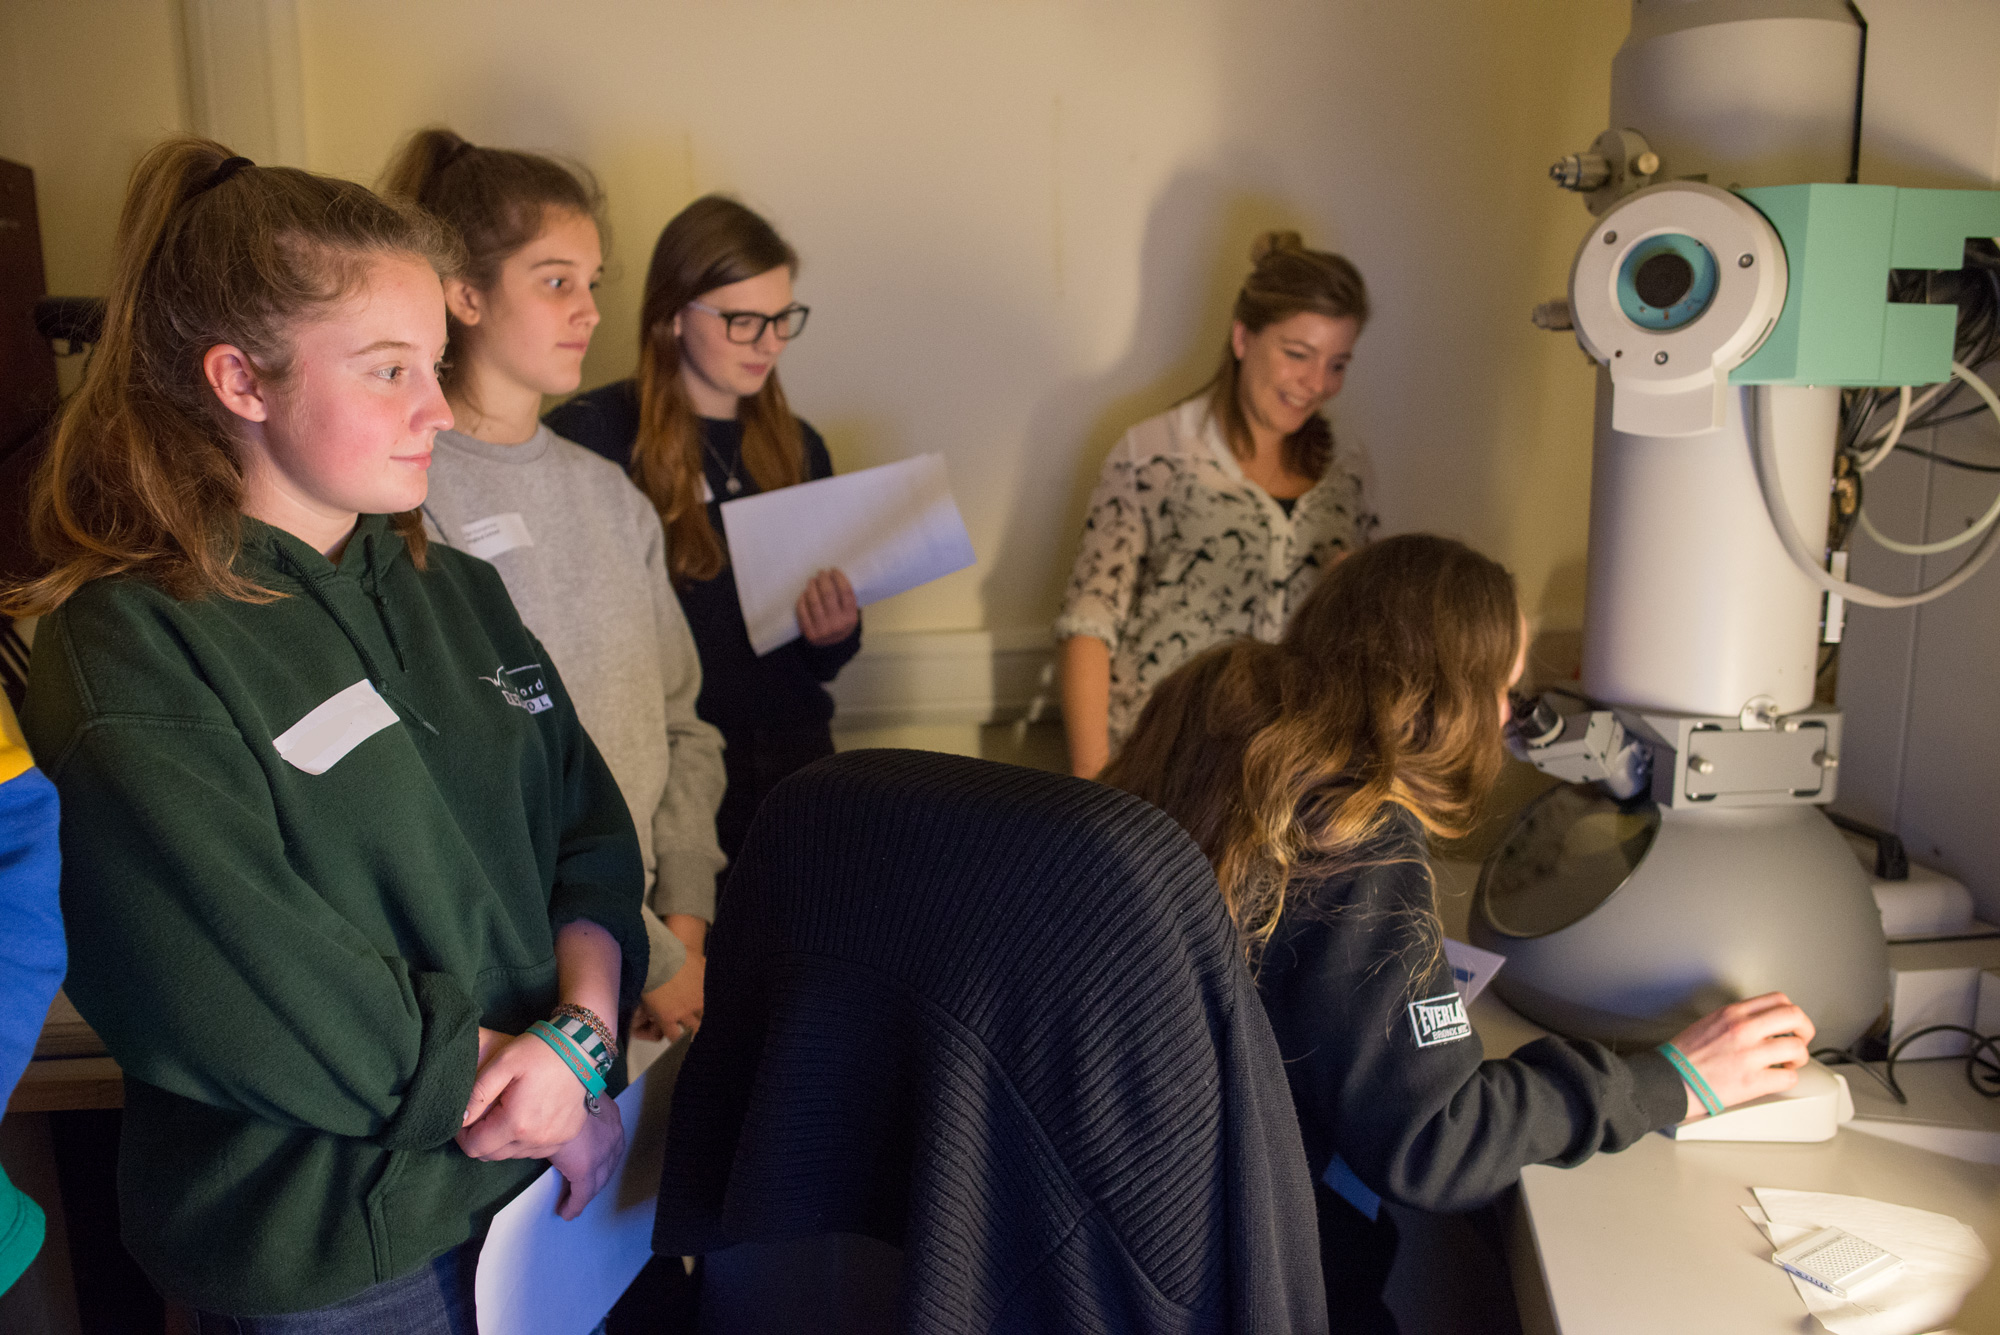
[
  {"x": 1384, "y": 1065},
  {"x": 741, "y": 693},
  {"x": 998, "y": 1018}
]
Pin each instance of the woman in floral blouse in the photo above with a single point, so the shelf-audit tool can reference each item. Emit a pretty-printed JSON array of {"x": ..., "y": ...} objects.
[{"x": 1215, "y": 518}]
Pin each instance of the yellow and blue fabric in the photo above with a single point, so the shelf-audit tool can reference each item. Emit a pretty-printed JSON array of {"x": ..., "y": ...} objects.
[{"x": 32, "y": 956}]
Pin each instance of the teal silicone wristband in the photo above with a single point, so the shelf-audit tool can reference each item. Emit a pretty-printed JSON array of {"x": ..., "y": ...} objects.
[
  {"x": 573, "y": 1057},
  {"x": 1693, "y": 1077}
]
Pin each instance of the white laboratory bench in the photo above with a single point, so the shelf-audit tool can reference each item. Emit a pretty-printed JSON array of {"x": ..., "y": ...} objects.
[{"x": 1655, "y": 1240}]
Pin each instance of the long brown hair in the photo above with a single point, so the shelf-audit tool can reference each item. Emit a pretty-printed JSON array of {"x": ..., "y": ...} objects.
[
  {"x": 1285, "y": 279},
  {"x": 711, "y": 243},
  {"x": 1285, "y": 760},
  {"x": 495, "y": 200},
  {"x": 143, "y": 474}
]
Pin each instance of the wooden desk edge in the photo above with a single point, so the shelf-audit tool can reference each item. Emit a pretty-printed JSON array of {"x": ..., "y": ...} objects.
[{"x": 68, "y": 1084}]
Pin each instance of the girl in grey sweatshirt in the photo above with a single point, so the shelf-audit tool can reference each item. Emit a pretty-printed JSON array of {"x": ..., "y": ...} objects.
[{"x": 580, "y": 548}]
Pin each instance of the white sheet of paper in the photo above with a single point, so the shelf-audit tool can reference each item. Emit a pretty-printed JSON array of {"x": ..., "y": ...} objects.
[
  {"x": 338, "y": 724},
  {"x": 540, "y": 1274},
  {"x": 1942, "y": 1259},
  {"x": 888, "y": 529},
  {"x": 1471, "y": 968}
]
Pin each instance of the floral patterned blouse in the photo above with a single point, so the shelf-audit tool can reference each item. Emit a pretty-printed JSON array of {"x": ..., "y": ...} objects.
[{"x": 1182, "y": 551}]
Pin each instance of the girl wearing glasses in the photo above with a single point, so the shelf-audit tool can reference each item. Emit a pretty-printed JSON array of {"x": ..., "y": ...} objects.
[
  {"x": 704, "y": 421},
  {"x": 1215, "y": 518}
]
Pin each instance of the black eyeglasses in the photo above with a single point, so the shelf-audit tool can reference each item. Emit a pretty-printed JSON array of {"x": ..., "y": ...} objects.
[{"x": 749, "y": 326}]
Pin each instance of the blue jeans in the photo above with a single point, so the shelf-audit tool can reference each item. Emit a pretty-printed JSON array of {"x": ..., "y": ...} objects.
[{"x": 436, "y": 1300}]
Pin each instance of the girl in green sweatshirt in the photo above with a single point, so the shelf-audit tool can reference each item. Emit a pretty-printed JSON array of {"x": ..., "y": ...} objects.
[{"x": 353, "y": 895}]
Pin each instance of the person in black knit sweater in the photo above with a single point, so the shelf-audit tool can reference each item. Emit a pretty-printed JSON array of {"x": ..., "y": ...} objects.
[
  {"x": 705, "y": 421},
  {"x": 1313, "y": 772}
]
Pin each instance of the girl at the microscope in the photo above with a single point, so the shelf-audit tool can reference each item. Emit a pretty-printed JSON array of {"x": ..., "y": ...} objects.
[{"x": 1312, "y": 772}]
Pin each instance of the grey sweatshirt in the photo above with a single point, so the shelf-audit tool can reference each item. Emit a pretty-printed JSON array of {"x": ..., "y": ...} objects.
[{"x": 583, "y": 556}]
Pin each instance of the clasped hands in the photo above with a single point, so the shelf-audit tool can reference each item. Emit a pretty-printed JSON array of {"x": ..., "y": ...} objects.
[{"x": 527, "y": 1104}]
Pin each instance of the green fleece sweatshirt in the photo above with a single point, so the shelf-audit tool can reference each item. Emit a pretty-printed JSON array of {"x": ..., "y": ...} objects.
[{"x": 290, "y": 913}]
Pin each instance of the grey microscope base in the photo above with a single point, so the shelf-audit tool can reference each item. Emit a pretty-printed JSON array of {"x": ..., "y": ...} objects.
[{"x": 1726, "y": 904}]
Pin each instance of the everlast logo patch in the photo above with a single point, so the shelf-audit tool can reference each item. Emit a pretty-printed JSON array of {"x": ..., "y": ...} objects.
[
  {"x": 522, "y": 687},
  {"x": 1440, "y": 1020}
]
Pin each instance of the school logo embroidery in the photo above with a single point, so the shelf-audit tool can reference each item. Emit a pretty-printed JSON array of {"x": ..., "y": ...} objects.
[
  {"x": 1440, "y": 1020},
  {"x": 522, "y": 687}
]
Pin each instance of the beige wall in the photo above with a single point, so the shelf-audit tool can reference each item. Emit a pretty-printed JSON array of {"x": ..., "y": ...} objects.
[
  {"x": 1021, "y": 221},
  {"x": 84, "y": 89}
]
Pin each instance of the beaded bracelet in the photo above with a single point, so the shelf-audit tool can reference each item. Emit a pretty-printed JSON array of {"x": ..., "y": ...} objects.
[
  {"x": 575, "y": 1056},
  {"x": 1681, "y": 1063},
  {"x": 586, "y": 1039},
  {"x": 571, "y": 1010}
]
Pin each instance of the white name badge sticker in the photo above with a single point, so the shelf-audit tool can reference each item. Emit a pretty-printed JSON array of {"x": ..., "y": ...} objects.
[
  {"x": 316, "y": 742},
  {"x": 487, "y": 538}
]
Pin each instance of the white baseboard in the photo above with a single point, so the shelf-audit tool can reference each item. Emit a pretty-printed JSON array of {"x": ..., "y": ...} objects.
[{"x": 926, "y": 678}]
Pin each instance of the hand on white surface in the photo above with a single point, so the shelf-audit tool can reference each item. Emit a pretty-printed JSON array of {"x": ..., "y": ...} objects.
[{"x": 1747, "y": 1049}]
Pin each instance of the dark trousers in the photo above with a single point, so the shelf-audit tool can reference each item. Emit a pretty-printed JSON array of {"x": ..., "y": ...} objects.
[
  {"x": 1356, "y": 1254},
  {"x": 436, "y": 1300},
  {"x": 756, "y": 760}
]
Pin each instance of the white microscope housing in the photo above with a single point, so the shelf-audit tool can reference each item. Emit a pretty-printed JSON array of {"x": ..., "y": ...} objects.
[{"x": 1687, "y": 863}]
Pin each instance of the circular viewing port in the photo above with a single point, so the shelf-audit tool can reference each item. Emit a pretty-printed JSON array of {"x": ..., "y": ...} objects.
[{"x": 1667, "y": 281}]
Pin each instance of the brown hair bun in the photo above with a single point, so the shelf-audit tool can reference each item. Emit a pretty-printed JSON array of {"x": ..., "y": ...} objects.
[{"x": 1272, "y": 242}]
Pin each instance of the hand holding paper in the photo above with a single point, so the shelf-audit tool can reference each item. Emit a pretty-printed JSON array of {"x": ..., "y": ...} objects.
[
  {"x": 887, "y": 529},
  {"x": 827, "y": 611}
]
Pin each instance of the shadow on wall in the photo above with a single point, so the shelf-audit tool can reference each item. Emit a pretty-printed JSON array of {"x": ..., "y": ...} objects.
[
  {"x": 1555, "y": 653},
  {"x": 1192, "y": 262}
]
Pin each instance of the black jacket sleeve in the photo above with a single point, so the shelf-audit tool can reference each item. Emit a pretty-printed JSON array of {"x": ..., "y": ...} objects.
[{"x": 1386, "y": 1071}]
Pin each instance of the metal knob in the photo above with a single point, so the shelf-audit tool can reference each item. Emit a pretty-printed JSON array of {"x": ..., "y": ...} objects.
[
  {"x": 1826, "y": 760},
  {"x": 1701, "y": 765},
  {"x": 1552, "y": 314},
  {"x": 1580, "y": 171}
]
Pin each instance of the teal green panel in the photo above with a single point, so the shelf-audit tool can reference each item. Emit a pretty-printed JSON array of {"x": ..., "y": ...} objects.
[
  {"x": 1917, "y": 342},
  {"x": 1839, "y": 326},
  {"x": 1788, "y": 209},
  {"x": 1837, "y": 241},
  {"x": 1932, "y": 225}
]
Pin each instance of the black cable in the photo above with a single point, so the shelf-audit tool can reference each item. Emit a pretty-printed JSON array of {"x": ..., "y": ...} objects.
[
  {"x": 1927, "y": 421},
  {"x": 1849, "y": 1057},
  {"x": 1947, "y": 460},
  {"x": 1979, "y": 1066}
]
